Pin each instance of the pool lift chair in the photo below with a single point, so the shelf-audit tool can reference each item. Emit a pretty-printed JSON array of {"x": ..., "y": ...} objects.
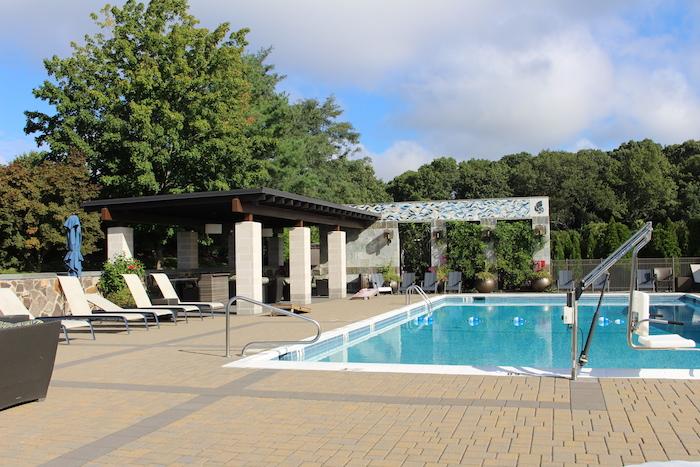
[{"x": 638, "y": 315}]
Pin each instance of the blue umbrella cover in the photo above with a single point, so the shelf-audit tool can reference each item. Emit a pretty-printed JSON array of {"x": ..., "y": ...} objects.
[{"x": 73, "y": 259}]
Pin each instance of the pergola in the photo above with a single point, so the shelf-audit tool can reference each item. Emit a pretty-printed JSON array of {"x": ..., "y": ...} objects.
[{"x": 242, "y": 213}]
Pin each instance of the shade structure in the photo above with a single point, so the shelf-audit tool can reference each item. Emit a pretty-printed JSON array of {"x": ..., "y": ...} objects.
[{"x": 74, "y": 237}]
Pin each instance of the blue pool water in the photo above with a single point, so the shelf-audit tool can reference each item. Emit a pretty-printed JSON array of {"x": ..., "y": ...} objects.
[{"x": 517, "y": 333}]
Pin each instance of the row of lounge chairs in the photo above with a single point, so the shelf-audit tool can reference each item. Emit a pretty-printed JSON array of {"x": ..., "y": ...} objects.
[
  {"x": 83, "y": 310},
  {"x": 428, "y": 284}
]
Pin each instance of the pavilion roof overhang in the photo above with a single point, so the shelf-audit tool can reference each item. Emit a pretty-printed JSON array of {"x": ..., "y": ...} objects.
[{"x": 273, "y": 208}]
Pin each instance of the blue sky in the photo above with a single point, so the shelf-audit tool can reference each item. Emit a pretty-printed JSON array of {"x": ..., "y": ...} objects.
[{"x": 420, "y": 79}]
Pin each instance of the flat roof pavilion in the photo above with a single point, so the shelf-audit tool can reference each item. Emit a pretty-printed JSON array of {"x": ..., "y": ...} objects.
[
  {"x": 243, "y": 213},
  {"x": 273, "y": 208}
]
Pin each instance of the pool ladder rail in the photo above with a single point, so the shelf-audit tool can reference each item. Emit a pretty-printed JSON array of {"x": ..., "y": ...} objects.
[
  {"x": 417, "y": 289},
  {"x": 274, "y": 310}
]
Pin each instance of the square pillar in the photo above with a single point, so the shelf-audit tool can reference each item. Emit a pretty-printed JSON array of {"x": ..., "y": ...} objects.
[
  {"x": 337, "y": 270},
  {"x": 248, "y": 266},
  {"x": 438, "y": 247},
  {"x": 300, "y": 265},
  {"x": 187, "y": 250},
  {"x": 231, "y": 248},
  {"x": 120, "y": 241}
]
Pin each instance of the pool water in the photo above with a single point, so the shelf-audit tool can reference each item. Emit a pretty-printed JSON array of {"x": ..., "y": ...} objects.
[{"x": 523, "y": 335}]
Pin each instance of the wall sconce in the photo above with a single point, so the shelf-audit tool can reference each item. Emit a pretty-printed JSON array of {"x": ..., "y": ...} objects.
[
  {"x": 388, "y": 236},
  {"x": 486, "y": 234},
  {"x": 439, "y": 235},
  {"x": 540, "y": 230}
]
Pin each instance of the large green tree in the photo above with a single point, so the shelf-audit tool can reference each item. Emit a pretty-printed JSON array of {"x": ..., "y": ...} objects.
[
  {"x": 36, "y": 197},
  {"x": 156, "y": 103}
]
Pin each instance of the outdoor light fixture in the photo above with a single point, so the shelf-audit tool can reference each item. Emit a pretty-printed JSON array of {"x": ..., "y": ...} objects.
[
  {"x": 439, "y": 234},
  {"x": 388, "y": 236},
  {"x": 540, "y": 229}
]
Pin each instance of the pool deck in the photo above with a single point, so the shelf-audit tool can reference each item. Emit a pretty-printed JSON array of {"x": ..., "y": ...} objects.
[{"x": 161, "y": 397}]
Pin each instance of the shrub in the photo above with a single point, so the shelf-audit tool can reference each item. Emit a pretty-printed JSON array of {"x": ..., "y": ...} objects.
[
  {"x": 121, "y": 297},
  {"x": 465, "y": 248},
  {"x": 111, "y": 280},
  {"x": 515, "y": 243},
  {"x": 389, "y": 273},
  {"x": 484, "y": 276}
]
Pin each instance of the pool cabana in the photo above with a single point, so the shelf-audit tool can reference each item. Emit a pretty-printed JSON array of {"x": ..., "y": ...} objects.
[{"x": 248, "y": 217}]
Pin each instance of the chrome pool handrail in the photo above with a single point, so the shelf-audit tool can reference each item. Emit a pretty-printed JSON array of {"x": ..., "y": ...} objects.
[
  {"x": 274, "y": 310},
  {"x": 419, "y": 290}
]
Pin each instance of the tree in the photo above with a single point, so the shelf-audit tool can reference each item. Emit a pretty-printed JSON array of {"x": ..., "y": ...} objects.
[
  {"x": 648, "y": 189},
  {"x": 480, "y": 178},
  {"x": 434, "y": 181},
  {"x": 157, "y": 104},
  {"x": 36, "y": 197}
]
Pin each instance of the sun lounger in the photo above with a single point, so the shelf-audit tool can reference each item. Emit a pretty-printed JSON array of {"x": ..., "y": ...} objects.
[
  {"x": 364, "y": 294},
  {"x": 695, "y": 271},
  {"x": 138, "y": 292},
  {"x": 430, "y": 282},
  {"x": 110, "y": 307},
  {"x": 454, "y": 282},
  {"x": 79, "y": 306},
  {"x": 407, "y": 280},
  {"x": 11, "y": 305},
  {"x": 645, "y": 280},
  {"x": 168, "y": 291},
  {"x": 377, "y": 280},
  {"x": 565, "y": 280}
]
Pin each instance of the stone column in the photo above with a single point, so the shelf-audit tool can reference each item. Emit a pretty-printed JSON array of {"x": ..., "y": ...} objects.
[
  {"x": 543, "y": 254},
  {"x": 337, "y": 270},
  {"x": 300, "y": 265},
  {"x": 248, "y": 266},
  {"x": 120, "y": 241},
  {"x": 187, "y": 250},
  {"x": 438, "y": 247},
  {"x": 489, "y": 252}
]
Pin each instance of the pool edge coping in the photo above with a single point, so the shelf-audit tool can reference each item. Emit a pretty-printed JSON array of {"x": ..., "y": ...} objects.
[{"x": 269, "y": 359}]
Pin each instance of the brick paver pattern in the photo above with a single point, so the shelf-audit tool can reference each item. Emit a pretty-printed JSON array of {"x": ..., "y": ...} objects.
[{"x": 161, "y": 397}]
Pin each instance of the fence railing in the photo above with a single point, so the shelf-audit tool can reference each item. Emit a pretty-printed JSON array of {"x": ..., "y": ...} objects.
[{"x": 620, "y": 272}]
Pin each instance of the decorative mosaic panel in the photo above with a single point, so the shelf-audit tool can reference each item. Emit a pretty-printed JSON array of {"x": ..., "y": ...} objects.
[{"x": 465, "y": 210}]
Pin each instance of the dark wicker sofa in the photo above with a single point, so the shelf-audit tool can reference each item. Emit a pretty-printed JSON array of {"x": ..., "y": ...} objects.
[{"x": 27, "y": 354}]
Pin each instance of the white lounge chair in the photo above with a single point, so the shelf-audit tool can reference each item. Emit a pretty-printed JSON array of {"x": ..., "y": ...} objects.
[
  {"x": 79, "y": 306},
  {"x": 110, "y": 307},
  {"x": 11, "y": 305},
  {"x": 168, "y": 291},
  {"x": 138, "y": 291}
]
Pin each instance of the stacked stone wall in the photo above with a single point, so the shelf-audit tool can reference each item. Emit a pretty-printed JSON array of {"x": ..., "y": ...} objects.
[{"x": 41, "y": 293}]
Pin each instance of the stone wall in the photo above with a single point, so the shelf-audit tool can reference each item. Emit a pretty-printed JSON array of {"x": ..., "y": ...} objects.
[
  {"x": 41, "y": 293},
  {"x": 370, "y": 249}
]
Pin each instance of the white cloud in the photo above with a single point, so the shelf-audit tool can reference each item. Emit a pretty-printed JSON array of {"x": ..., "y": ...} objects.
[
  {"x": 473, "y": 79},
  {"x": 11, "y": 147},
  {"x": 400, "y": 157}
]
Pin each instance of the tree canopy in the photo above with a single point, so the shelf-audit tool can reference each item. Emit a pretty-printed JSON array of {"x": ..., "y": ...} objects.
[{"x": 159, "y": 104}]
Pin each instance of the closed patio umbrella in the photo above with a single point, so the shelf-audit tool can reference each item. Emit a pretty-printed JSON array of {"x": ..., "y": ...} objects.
[{"x": 73, "y": 259}]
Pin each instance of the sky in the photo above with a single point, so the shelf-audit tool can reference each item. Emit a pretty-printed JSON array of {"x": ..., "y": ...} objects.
[{"x": 421, "y": 79}]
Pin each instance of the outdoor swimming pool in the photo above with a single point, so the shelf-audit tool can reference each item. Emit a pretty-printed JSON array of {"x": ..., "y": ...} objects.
[{"x": 499, "y": 332}]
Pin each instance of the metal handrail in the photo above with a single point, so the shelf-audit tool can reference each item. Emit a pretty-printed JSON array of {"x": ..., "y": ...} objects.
[
  {"x": 274, "y": 310},
  {"x": 419, "y": 290},
  {"x": 635, "y": 243}
]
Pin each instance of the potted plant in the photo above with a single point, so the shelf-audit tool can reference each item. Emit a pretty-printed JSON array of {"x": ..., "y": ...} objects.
[
  {"x": 390, "y": 277},
  {"x": 485, "y": 282},
  {"x": 540, "y": 280},
  {"x": 441, "y": 274}
]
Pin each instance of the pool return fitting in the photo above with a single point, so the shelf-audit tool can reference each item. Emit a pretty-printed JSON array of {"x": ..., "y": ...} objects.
[{"x": 638, "y": 315}]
